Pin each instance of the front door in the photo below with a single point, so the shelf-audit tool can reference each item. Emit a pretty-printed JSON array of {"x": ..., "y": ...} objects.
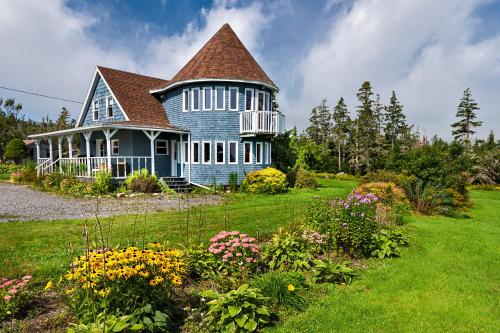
[
  {"x": 175, "y": 153},
  {"x": 100, "y": 148}
]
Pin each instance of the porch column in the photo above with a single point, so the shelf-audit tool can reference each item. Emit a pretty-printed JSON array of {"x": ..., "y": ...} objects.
[
  {"x": 152, "y": 135},
  {"x": 181, "y": 155},
  {"x": 87, "y": 136},
  {"x": 37, "y": 143},
  {"x": 189, "y": 157},
  {"x": 59, "y": 151},
  {"x": 108, "y": 133},
  {"x": 70, "y": 145},
  {"x": 51, "y": 154}
]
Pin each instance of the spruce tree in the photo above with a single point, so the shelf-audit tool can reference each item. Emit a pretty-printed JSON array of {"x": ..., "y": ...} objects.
[
  {"x": 395, "y": 121},
  {"x": 463, "y": 129},
  {"x": 313, "y": 129},
  {"x": 324, "y": 119},
  {"x": 341, "y": 124},
  {"x": 366, "y": 125}
]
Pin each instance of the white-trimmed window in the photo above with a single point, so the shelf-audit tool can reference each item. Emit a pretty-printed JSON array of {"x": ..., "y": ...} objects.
[
  {"x": 233, "y": 99},
  {"x": 206, "y": 152},
  {"x": 220, "y": 153},
  {"x": 195, "y": 152},
  {"x": 95, "y": 110},
  {"x": 260, "y": 100},
  {"x": 186, "y": 151},
  {"x": 247, "y": 152},
  {"x": 207, "y": 98},
  {"x": 267, "y": 157},
  {"x": 258, "y": 153},
  {"x": 248, "y": 99},
  {"x": 109, "y": 107},
  {"x": 233, "y": 152},
  {"x": 268, "y": 102},
  {"x": 220, "y": 98},
  {"x": 185, "y": 100},
  {"x": 195, "y": 99},
  {"x": 161, "y": 147},
  {"x": 115, "y": 147}
]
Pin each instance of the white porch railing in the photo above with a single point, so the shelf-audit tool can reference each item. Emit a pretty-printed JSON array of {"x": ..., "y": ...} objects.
[
  {"x": 42, "y": 163},
  {"x": 86, "y": 167},
  {"x": 262, "y": 122}
]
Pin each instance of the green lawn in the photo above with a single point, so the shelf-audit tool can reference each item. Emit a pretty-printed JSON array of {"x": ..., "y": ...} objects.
[
  {"x": 43, "y": 248},
  {"x": 448, "y": 280}
]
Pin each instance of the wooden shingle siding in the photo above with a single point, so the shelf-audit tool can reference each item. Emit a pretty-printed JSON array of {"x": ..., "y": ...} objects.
[{"x": 100, "y": 93}]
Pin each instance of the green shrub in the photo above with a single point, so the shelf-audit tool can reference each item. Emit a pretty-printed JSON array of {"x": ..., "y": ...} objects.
[
  {"x": 291, "y": 176},
  {"x": 282, "y": 288},
  {"x": 319, "y": 215},
  {"x": 331, "y": 272},
  {"x": 16, "y": 150},
  {"x": 233, "y": 181},
  {"x": 306, "y": 179},
  {"x": 268, "y": 180},
  {"x": 102, "y": 183},
  {"x": 201, "y": 264},
  {"x": 240, "y": 310},
  {"x": 387, "y": 243},
  {"x": 287, "y": 251},
  {"x": 381, "y": 176},
  {"x": 78, "y": 189},
  {"x": 53, "y": 181},
  {"x": 425, "y": 196},
  {"x": 106, "y": 322},
  {"x": 143, "y": 182},
  {"x": 387, "y": 192},
  {"x": 67, "y": 183},
  {"x": 25, "y": 173}
]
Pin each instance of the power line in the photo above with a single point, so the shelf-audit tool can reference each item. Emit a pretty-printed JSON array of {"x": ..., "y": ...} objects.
[{"x": 40, "y": 95}]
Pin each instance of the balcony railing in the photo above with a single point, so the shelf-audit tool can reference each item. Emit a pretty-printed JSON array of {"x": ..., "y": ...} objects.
[{"x": 262, "y": 122}]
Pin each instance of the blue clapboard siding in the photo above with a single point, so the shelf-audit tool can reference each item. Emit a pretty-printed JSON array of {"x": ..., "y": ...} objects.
[
  {"x": 213, "y": 126},
  {"x": 100, "y": 92}
]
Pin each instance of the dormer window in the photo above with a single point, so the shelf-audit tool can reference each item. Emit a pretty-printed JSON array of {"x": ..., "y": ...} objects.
[
  {"x": 207, "y": 99},
  {"x": 109, "y": 107},
  {"x": 248, "y": 99},
  {"x": 185, "y": 100},
  {"x": 95, "y": 110},
  {"x": 196, "y": 99},
  {"x": 260, "y": 101}
]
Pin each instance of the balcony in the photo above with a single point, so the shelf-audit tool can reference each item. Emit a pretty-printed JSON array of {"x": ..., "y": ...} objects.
[{"x": 253, "y": 123}]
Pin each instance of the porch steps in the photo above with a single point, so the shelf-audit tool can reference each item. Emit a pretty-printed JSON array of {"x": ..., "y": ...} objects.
[{"x": 178, "y": 184}]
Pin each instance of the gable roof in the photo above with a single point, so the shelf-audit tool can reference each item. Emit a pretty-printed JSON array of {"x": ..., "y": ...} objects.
[{"x": 223, "y": 57}]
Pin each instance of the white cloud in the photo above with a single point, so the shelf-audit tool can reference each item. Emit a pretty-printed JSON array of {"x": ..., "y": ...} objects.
[
  {"x": 47, "y": 48},
  {"x": 422, "y": 49}
]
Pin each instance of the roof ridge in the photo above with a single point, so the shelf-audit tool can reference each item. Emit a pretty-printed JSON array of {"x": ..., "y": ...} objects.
[{"x": 132, "y": 73}]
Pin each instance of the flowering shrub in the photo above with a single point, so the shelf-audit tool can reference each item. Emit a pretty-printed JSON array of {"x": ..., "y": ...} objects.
[
  {"x": 125, "y": 279},
  {"x": 354, "y": 223},
  {"x": 10, "y": 290},
  {"x": 268, "y": 180},
  {"x": 237, "y": 252},
  {"x": 386, "y": 192}
]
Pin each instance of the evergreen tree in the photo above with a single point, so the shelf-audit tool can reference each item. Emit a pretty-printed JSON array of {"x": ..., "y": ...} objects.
[
  {"x": 463, "y": 129},
  {"x": 62, "y": 120},
  {"x": 378, "y": 113},
  {"x": 366, "y": 126},
  {"x": 324, "y": 122},
  {"x": 395, "y": 120},
  {"x": 313, "y": 129},
  {"x": 341, "y": 124}
]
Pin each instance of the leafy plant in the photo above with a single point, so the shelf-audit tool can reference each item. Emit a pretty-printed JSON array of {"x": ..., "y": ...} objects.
[
  {"x": 143, "y": 182},
  {"x": 53, "y": 181},
  {"x": 108, "y": 323},
  {"x": 287, "y": 251},
  {"x": 387, "y": 243},
  {"x": 332, "y": 272},
  {"x": 305, "y": 179},
  {"x": 16, "y": 150},
  {"x": 233, "y": 181},
  {"x": 282, "y": 288},
  {"x": 387, "y": 192},
  {"x": 102, "y": 184},
  {"x": 11, "y": 294},
  {"x": 425, "y": 196},
  {"x": 200, "y": 262},
  {"x": 240, "y": 310},
  {"x": 319, "y": 216},
  {"x": 268, "y": 180}
]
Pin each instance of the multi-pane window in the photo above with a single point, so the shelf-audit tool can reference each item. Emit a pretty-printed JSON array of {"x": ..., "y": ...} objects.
[
  {"x": 233, "y": 99},
  {"x": 186, "y": 152},
  {"x": 185, "y": 100},
  {"x": 95, "y": 110},
  {"x": 161, "y": 147},
  {"x": 207, "y": 153},
  {"x": 233, "y": 152},
  {"x": 109, "y": 107},
  {"x": 195, "y": 99},
  {"x": 220, "y": 98},
  {"x": 260, "y": 101},
  {"x": 248, "y": 99},
  {"x": 207, "y": 98},
  {"x": 247, "y": 152},
  {"x": 115, "y": 147},
  {"x": 268, "y": 102},
  {"x": 219, "y": 152},
  {"x": 195, "y": 152},
  {"x": 258, "y": 153}
]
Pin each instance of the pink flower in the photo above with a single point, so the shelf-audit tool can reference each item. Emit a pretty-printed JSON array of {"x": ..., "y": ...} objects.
[
  {"x": 8, "y": 297},
  {"x": 239, "y": 254},
  {"x": 27, "y": 278},
  {"x": 249, "y": 260},
  {"x": 20, "y": 285},
  {"x": 12, "y": 291}
]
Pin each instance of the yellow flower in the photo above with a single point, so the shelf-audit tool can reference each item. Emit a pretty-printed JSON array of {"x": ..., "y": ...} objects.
[
  {"x": 69, "y": 291},
  {"x": 49, "y": 285},
  {"x": 291, "y": 287},
  {"x": 103, "y": 292}
]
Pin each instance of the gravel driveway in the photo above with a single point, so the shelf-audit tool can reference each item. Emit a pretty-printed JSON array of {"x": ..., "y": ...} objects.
[{"x": 22, "y": 203}]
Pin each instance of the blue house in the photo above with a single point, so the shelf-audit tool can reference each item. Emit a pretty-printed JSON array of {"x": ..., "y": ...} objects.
[{"x": 213, "y": 118}]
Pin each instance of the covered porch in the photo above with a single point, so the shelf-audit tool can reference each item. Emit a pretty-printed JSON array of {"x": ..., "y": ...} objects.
[{"x": 120, "y": 149}]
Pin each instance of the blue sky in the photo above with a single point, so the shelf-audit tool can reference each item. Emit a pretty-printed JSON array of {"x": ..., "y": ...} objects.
[{"x": 427, "y": 51}]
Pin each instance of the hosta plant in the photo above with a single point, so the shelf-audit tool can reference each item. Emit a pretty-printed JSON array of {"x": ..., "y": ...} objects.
[
  {"x": 332, "y": 272},
  {"x": 240, "y": 310},
  {"x": 387, "y": 243},
  {"x": 287, "y": 251}
]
